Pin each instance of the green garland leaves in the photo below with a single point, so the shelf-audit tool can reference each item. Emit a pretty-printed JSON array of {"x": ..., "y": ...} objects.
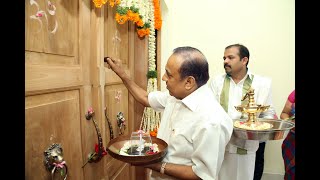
[{"x": 152, "y": 74}]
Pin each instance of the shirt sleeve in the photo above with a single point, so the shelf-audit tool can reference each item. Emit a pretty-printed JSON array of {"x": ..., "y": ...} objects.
[
  {"x": 266, "y": 94},
  {"x": 158, "y": 100},
  {"x": 291, "y": 97},
  {"x": 209, "y": 145},
  {"x": 213, "y": 85}
]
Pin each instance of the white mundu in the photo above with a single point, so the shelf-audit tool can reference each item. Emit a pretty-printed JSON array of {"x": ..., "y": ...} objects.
[{"x": 236, "y": 165}]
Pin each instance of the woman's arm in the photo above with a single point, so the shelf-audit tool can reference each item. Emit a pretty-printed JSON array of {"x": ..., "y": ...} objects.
[{"x": 285, "y": 114}]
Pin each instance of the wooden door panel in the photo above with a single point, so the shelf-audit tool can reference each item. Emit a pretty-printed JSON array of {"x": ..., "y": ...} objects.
[
  {"x": 42, "y": 77},
  {"x": 116, "y": 36},
  {"x": 52, "y": 26},
  {"x": 53, "y": 81},
  {"x": 116, "y": 169},
  {"x": 116, "y": 100},
  {"x": 52, "y": 118}
]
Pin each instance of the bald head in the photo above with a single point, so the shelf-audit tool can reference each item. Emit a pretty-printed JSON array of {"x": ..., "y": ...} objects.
[{"x": 194, "y": 63}]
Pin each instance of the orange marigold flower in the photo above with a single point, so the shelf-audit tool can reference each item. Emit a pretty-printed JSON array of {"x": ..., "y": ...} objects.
[
  {"x": 130, "y": 15},
  {"x": 135, "y": 17},
  {"x": 147, "y": 31},
  {"x": 153, "y": 134},
  {"x": 99, "y": 3},
  {"x": 140, "y": 23},
  {"x": 141, "y": 32},
  {"x": 121, "y": 19}
]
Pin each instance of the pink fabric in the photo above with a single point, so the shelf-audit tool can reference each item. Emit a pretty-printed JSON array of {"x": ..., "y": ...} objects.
[{"x": 292, "y": 96}]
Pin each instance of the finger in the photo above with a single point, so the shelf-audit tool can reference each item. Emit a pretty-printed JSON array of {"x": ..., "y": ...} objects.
[{"x": 107, "y": 60}]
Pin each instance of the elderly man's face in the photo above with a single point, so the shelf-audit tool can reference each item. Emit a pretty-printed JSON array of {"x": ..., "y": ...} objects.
[{"x": 175, "y": 85}]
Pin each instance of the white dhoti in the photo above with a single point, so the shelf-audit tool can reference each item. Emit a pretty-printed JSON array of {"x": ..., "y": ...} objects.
[{"x": 237, "y": 167}]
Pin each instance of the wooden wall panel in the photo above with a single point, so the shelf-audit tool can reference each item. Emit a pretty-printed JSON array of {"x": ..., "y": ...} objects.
[{"x": 52, "y": 118}]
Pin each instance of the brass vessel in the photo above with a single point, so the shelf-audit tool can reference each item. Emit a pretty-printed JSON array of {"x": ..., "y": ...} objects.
[
  {"x": 251, "y": 108},
  {"x": 278, "y": 128}
]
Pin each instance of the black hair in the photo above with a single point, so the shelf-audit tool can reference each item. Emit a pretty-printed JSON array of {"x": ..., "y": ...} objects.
[
  {"x": 243, "y": 51},
  {"x": 195, "y": 64}
]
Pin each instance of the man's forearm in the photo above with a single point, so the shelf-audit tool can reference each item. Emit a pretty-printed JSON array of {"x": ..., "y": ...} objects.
[
  {"x": 137, "y": 92},
  {"x": 176, "y": 170}
]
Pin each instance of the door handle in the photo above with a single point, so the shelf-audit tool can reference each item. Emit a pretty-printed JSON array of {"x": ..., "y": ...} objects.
[{"x": 54, "y": 161}]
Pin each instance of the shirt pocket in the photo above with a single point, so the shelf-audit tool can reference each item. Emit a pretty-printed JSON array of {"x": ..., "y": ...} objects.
[{"x": 180, "y": 142}]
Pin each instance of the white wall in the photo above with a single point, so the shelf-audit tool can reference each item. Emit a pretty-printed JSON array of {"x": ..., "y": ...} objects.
[{"x": 266, "y": 27}]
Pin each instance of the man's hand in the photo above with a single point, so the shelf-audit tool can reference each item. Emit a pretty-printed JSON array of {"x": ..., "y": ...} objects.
[{"x": 115, "y": 65}]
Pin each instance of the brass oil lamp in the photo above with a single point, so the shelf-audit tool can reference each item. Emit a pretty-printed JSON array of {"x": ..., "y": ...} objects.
[{"x": 251, "y": 108}]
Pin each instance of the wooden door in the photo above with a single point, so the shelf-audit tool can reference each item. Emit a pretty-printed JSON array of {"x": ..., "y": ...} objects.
[{"x": 65, "y": 43}]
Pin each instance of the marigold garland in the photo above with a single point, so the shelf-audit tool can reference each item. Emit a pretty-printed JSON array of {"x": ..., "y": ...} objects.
[
  {"x": 157, "y": 15},
  {"x": 146, "y": 15},
  {"x": 137, "y": 11}
]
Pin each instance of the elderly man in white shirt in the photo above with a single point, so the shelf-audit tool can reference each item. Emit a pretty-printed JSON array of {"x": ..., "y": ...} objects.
[
  {"x": 195, "y": 126},
  {"x": 229, "y": 89}
]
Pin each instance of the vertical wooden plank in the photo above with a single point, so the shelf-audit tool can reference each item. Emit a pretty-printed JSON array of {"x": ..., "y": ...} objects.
[{"x": 88, "y": 134}]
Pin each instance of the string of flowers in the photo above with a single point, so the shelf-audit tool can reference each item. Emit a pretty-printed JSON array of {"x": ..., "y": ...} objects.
[
  {"x": 157, "y": 15},
  {"x": 151, "y": 119}
]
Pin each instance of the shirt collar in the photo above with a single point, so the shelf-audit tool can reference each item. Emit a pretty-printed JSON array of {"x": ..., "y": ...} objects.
[
  {"x": 192, "y": 100},
  {"x": 249, "y": 73}
]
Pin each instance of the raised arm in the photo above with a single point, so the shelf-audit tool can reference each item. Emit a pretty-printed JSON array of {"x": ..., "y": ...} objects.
[{"x": 137, "y": 92}]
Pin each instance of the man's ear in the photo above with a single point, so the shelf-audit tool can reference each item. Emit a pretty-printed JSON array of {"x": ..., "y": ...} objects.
[
  {"x": 245, "y": 60},
  {"x": 190, "y": 83}
]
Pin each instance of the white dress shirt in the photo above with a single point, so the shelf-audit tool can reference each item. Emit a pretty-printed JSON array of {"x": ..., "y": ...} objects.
[
  {"x": 235, "y": 166},
  {"x": 197, "y": 130}
]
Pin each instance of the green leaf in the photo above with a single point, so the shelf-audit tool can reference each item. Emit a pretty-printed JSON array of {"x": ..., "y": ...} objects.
[
  {"x": 152, "y": 74},
  {"x": 122, "y": 10}
]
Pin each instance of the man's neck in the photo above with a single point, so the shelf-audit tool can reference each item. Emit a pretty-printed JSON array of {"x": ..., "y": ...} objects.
[{"x": 239, "y": 76}]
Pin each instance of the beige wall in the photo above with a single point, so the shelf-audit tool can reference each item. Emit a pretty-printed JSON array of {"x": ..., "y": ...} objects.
[{"x": 266, "y": 27}]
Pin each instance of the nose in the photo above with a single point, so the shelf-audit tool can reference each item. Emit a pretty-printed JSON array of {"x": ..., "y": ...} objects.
[{"x": 164, "y": 77}]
